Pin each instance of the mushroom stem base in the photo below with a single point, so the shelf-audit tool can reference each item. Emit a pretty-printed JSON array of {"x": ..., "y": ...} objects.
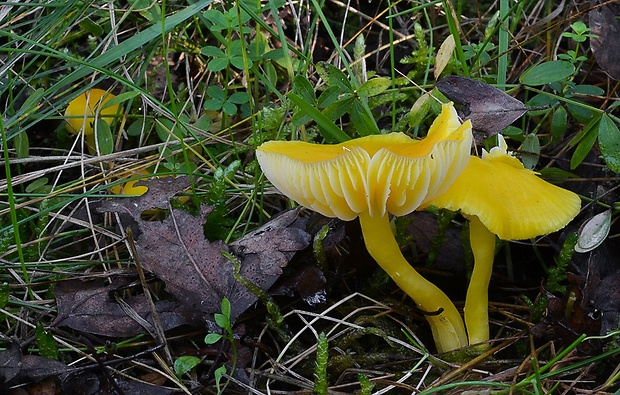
[{"x": 447, "y": 326}]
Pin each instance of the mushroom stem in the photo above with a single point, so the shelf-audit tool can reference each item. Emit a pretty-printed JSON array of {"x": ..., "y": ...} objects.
[
  {"x": 477, "y": 300},
  {"x": 444, "y": 319}
]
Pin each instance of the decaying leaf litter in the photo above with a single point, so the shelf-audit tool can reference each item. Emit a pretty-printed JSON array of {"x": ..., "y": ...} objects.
[{"x": 182, "y": 268}]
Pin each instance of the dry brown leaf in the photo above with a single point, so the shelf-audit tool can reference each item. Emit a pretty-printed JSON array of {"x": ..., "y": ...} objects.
[
  {"x": 88, "y": 306},
  {"x": 489, "y": 109},
  {"x": 10, "y": 362},
  {"x": 193, "y": 268},
  {"x": 39, "y": 375}
]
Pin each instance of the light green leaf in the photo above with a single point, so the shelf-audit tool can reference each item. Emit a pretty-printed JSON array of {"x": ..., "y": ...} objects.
[
  {"x": 221, "y": 320},
  {"x": 212, "y": 338},
  {"x": 216, "y": 92},
  {"x": 334, "y": 76},
  {"x": 547, "y": 72},
  {"x": 105, "y": 140},
  {"x": 210, "y": 50},
  {"x": 363, "y": 122},
  {"x": 609, "y": 142},
  {"x": 225, "y": 302},
  {"x": 374, "y": 87},
  {"x": 36, "y": 184},
  {"x": 594, "y": 232},
  {"x": 592, "y": 90},
  {"x": 217, "y": 18},
  {"x": 585, "y": 145},
  {"x": 239, "y": 98},
  {"x": 138, "y": 126},
  {"x": 21, "y": 144},
  {"x": 531, "y": 151},
  {"x": 184, "y": 364},
  {"x": 328, "y": 97},
  {"x": 92, "y": 27},
  {"x": 419, "y": 110},
  {"x": 229, "y": 108},
  {"x": 558, "y": 123},
  {"x": 217, "y": 64},
  {"x": 303, "y": 88}
]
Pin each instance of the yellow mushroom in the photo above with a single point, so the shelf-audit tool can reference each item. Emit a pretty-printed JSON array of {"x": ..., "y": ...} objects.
[
  {"x": 82, "y": 112},
  {"x": 129, "y": 187},
  {"x": 501, "y": 197},
  {"x": 369, "y": 178}
]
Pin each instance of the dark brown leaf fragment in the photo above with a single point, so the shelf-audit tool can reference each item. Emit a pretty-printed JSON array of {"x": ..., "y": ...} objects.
[
  {"x": 569, "y": 316},
  {"x": 489, "y": 109},
  {"x": 10, "y": 362},
  {"x": 604, "y": 23},
  {"x": 308, "y": 281},
  {"x": 88, "y": 306}
]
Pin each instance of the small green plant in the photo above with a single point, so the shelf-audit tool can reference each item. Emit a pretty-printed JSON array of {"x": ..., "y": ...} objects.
[
  {"x": 341, "y": 96},
  {"x": 228, "y": 104},
  {"x": 320, "y": 370},
  {"x": 223, "y": 321},
  {"x": 47, "y": 344},
  {"x": 557, "y": 274},
  {"x": 219, "y": 223},
  {"x": 580, "y": 33},
  {"x": 366, "y": 386}
]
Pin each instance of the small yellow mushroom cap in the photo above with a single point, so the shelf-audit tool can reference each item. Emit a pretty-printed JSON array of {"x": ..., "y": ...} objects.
[
  {"x": 80, "y": 113},
  {"x": 129, "y": 187},
  {"x": 510, "y": 200},
  {"x": 374, "y": 173}
]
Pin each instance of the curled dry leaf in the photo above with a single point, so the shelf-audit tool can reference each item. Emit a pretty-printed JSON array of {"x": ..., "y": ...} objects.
[
  {"x": 443, "y": 55},
  {"x": 193, "y": 268},
  {"x": 490, "y": 109}
]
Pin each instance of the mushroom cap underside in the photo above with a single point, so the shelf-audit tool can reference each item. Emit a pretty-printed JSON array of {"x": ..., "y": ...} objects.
[{"x": 377, "y": 173}]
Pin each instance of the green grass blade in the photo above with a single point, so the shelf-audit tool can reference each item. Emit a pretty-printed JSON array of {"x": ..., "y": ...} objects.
[{"x": 330, "y": 131}]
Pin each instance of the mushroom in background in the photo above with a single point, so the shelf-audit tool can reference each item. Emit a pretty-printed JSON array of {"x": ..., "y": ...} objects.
[
  {"x": 501, "y": 197},
  {"x": 83, "y": 111}
]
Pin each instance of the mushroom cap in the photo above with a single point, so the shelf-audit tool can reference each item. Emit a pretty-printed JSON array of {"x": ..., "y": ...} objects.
[
  {"x": 510, "y": 200},
  {"x": 374, "y": 173},
  {"x": 129, "y": 187},
  {"x": 80, "y": 113}
]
